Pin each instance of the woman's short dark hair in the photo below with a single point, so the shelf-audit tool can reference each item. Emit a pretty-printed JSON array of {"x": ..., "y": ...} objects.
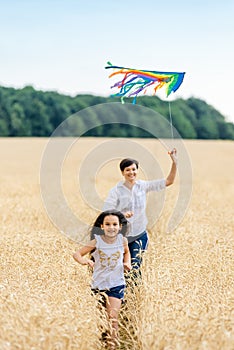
[{"x": 127, "y": 162}]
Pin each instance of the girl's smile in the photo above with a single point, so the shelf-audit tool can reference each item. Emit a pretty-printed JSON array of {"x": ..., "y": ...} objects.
[{"x": 111, "y": 226}]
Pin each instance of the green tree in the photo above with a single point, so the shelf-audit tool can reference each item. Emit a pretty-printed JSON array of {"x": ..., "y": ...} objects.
[
  {"x": 19, "y": 126},
  {"x": 206, "y": 125},
  {"x": 4, "y": 113},
  {"x": 226, "y": 130},
  {"x": 28, "y": 112}
]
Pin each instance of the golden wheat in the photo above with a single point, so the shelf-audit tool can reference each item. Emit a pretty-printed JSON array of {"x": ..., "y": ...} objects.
[{"x": 185, "y": 301}]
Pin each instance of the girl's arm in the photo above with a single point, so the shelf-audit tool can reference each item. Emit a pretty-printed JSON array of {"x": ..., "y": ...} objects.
[
  {"x": 171, "y": 177},
  {"x": 79, "y": 254},
  {"x": 127, "y": 257}
]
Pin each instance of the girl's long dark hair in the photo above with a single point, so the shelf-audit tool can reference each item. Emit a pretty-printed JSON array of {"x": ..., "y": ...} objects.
[{"x": 96, "y": 228}]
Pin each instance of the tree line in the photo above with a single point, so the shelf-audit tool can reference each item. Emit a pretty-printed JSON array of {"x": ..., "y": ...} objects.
[{"x": 29, "y": 112}]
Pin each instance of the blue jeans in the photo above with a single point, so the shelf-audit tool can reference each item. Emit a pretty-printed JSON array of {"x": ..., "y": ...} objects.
[{"x": 137, "y": 248}]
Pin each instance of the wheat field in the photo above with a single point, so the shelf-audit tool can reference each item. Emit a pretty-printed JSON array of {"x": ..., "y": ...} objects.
[{"x": 186, "y": 299}]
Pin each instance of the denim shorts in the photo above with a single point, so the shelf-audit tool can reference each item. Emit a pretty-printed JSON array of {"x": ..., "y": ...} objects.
[{"x": 115, "y": 292}]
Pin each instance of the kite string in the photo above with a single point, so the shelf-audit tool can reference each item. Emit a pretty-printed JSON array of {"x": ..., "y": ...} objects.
[{"x": 170, "y": 116}]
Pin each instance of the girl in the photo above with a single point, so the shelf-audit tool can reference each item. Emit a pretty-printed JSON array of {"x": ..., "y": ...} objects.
[{"x": 111, "y": 257}]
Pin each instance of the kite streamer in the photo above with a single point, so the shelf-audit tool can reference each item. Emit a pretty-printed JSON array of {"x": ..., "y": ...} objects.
[{"x": 135, "y": 81}]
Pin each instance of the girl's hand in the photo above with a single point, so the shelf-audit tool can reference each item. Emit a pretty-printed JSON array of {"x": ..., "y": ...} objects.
[
  {"x": 173, "y": 155},
  {"x": 128, "y": 214},
  {"x": 88, "y": 262},
  {"x": 127, "y": 266}
]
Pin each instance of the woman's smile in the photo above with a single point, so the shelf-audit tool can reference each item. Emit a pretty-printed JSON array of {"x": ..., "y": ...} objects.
[{"x": 130, "y": 173}]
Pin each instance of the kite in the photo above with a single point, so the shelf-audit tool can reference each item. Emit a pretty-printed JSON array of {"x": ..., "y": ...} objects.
[{"x": 136, "y": 81}]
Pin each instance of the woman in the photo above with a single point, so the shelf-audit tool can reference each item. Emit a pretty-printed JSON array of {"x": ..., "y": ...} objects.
[{"x": 129, "y": 197}]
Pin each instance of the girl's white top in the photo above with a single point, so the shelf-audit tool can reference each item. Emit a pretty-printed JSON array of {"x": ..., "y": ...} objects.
[{"x": 108, "y": 269}]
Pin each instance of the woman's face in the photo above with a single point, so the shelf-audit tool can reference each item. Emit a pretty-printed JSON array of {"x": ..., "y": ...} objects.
[{"x": 130, "y": 173}]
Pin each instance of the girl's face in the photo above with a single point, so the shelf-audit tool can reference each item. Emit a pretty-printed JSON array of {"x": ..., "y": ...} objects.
[
  {"x": 130, "y": 173},
  {"x": 111, "y": 225}
]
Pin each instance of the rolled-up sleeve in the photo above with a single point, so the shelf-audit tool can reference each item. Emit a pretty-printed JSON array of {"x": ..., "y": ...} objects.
[{"x": 155, "y": 185}]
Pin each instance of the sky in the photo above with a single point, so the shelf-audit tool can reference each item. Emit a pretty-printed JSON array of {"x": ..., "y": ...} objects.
[{"x": 64, "y": 45}]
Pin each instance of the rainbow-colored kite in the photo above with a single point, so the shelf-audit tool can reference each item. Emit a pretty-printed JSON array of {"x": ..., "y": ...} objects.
[{"x": 135, "y": 81}]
